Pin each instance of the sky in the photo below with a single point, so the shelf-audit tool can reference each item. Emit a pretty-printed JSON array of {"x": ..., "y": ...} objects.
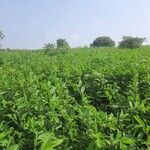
[{"x": 29, "y": 24}]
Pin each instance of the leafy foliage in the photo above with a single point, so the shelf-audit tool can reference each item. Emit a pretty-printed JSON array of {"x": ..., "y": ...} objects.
[
  {"x": 49, "y": 46},
  {"x": 94, "y": 99},
  {"x": 1, "y": 36},
  {"x": 131, "y": 42},
  {"x": 62, "y": 43},
  {"x": 103, "y": 41}
]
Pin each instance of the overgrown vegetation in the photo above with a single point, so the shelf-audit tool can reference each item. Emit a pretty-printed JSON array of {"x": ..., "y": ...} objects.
[{"x": 85, "y": 99}]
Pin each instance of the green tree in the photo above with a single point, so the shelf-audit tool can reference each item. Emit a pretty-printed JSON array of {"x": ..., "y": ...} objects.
[
  {"x": 131, "y": 42},
  {"x": 1, "y": 36},
  {"x": 103, "y": 41},
  {"x": 62, "y": 43},
  {"x": 49, "y": 46}
]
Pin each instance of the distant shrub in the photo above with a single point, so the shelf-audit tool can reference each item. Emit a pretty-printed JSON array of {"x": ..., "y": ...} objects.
[
  {"x": 103, "y": 41},
  {"x": 49, "y": 46},
  {"x": 62, "y": 43},
  {"x": 131, "y": 42},
  {"x": 1, "y": 36},
  {"x": 61, "y": 48}
]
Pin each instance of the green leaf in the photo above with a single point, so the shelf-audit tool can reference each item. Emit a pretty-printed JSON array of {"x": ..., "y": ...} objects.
[
  {"x": 82, "y": 89},
  {"x": 140, "y": 121},
  {"x": 123, "y": 146},
  {"x": 148, "y": 140},
  {"x": 99, "y": 140},
  {"x": 4, "y": 134},
  {"x": 91, "y": 146},
  {"x": 148, "y": 128},
  {"x": 13, "y": 147},
  {"x": 130, "y": 104},
  {"x": 108, "y": 95},
  {"x": 48, "y": 141},
  {"x": 51, "y": 145},
  {"x": 127, "y": 140},
  {"x": 52, "y": 91},
  {"x": 118, "y": 136}
]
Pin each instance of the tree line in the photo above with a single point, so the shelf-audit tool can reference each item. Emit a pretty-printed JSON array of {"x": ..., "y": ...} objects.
[{"x": 103, "y": 41}]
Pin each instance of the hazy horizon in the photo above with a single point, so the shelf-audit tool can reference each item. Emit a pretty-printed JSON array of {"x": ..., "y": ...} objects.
[{"x": 28, "y": 24}]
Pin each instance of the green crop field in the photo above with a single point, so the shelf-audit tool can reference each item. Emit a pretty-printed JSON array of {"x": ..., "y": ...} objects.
[{"x": 75, "y": 99}]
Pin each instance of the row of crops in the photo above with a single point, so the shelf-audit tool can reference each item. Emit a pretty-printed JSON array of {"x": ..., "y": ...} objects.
[{"x": 82, "y": 99}]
